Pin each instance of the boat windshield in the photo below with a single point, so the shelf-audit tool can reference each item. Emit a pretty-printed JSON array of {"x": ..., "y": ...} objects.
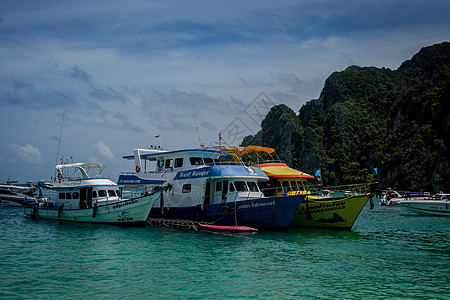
[
  {"x": 294, "y": 185},
  {"x": 240, "y": 186},
  {"x": 253, "y": 186}
]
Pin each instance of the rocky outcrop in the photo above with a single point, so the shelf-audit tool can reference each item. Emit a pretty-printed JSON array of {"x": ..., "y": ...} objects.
[{"x": 365, "y": 118}]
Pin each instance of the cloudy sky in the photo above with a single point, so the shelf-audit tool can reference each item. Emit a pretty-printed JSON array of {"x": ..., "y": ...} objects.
[{"x": 120, "y": 72}]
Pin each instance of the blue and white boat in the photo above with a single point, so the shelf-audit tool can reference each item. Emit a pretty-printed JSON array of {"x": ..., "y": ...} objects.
[
  {"x": 97, "y": 199},
  {"x": 209, "y": 186},
  {"x": 439, "y": 205}
]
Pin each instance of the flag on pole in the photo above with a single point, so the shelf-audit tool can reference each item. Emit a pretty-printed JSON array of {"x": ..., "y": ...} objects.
[
  {"x": 157, "y": 136},
  {"x": 162, "y": 173}
]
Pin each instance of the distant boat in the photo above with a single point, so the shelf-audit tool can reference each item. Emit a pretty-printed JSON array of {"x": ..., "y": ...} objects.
[
  {"x": 391, "y": 197},
  {"x": 439, "y": 205},
  {"x": 14, "y": 195},
  {"x": 81, "y": 198},
  {"x": 324, "y": 210}
]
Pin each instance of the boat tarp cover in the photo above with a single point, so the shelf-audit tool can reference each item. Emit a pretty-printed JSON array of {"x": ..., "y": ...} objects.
[{"x": 278, "y": 170}]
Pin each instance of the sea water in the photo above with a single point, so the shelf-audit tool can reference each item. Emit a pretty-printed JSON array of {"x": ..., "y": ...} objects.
[{"x": 389, "y": 253}]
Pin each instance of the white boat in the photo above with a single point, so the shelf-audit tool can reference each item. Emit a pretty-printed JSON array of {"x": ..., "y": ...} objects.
[
  {"x": 82, "y": 198},
  {"x": 439, "y": 205},
  {"x": 391, "y": 197},
  {"x": 14, "y": 195},
  {"x": 209, "y": 186}
]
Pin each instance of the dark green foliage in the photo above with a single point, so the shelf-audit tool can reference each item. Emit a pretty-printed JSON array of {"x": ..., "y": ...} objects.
[{"x": 365, "y": 118}]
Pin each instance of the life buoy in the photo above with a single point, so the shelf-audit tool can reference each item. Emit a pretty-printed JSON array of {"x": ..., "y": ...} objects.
[
  {"x": 60, "y": 176},
  {"x": 225, "y": 210},
  {"x": 138, "y": 168}
]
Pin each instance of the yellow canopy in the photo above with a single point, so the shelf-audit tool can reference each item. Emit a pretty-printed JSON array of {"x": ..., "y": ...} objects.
[{"x": 278, "y": 170}]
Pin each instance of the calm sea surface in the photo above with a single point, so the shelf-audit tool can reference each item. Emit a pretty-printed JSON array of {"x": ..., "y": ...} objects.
[{"x": 390, "y": 253}]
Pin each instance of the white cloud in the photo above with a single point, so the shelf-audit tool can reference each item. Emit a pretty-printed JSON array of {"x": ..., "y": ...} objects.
[
  {"x": 105, "y": 150},
  {"x": 27, "y": 153}
]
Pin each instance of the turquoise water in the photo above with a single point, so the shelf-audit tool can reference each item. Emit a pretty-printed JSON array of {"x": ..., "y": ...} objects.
[{"x": 389, "y": 253}]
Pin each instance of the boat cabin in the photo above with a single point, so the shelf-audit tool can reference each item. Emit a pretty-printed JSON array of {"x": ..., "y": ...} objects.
[
  {"x": 195, "y": 176},
  {"x": 75, "y": 189}
]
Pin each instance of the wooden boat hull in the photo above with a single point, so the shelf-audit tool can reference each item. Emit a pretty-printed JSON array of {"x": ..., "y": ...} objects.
[
  {"x": 267, "y": 213},
  {"x": 128, "y": 211},
  {"x": 331, "y": 213}
]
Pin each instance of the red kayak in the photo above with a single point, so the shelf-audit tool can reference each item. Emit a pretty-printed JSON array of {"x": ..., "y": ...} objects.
[{"x": 228, "y": 228}]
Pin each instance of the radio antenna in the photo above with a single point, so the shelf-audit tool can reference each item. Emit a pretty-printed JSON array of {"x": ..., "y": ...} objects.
[
  {"x": 156, "y": 125},
  {"x": 198, "y": 131},
  {"x": 59, "y": 140}
]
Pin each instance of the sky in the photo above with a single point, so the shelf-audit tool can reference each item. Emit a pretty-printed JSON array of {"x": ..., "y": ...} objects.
[{"x": 93, "y": 80}]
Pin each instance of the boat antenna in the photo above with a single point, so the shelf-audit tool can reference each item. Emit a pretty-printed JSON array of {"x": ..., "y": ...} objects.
[
  {"x": 196, "y": 124},
  {"x": 156, "y": 125},
  {"x": 59, "y": 140}
]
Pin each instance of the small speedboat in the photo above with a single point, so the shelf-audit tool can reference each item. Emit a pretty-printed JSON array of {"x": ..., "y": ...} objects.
[
  {"x": 392, "y": 198},
  {"x": 81, "y": 198},
  {"x": 14, "y": 195},
  {"x": 439, "y": 205}
]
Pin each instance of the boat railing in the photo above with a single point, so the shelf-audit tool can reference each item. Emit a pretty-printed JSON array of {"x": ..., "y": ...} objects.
[{"x": 341, "y": 190}]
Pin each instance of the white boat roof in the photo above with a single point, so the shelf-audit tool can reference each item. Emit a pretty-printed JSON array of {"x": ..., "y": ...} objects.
[
  {"x": 153, "y": 154},
  {"x": 81, "y": 167}
]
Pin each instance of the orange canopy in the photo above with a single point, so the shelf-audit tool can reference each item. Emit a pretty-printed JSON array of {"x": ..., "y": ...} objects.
[{"x": 246, "y": 150}]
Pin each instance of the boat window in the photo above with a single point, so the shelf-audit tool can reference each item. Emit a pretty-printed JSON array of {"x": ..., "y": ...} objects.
[
  {"x": 160, "y": 163},
  {"x": 286, "y": 185},
  {"x": 209, "y": 161},
  {"x": 111, "y": 193},
  {"x": 279, "y": 186},
  {"x": 218, "y": 186},
  {"x": 94, "y": 194},
  {"x": 240, "y": 186},
  {"x": 68, "y": 195},
  {"x": 196, "y": 161},
  {"x": 62, "y": 195},
  {"x": 178, "y": 162},
  {"x": 186, "y": 188},
  {"x": 169, "y": 163},
  {"x": 102, "y": 193},
  {"x": 119, "y": 194},
  {"x": 253, "y": 186},
  {"x": 301, "y": 186},
  {"x": 76, "y": 195},
  {"x": 231, "y": 187},
  {"x": 294, "y": 185}
]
